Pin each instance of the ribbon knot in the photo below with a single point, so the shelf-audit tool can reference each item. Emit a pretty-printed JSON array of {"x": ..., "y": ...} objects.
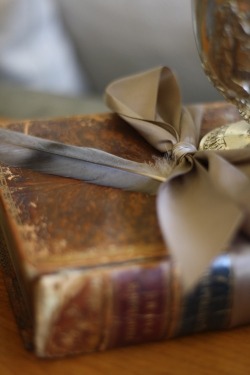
[{"x": 182, "y": 149}]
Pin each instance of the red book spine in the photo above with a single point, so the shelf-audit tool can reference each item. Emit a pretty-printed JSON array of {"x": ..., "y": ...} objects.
[{"x": 103, "y": 308}]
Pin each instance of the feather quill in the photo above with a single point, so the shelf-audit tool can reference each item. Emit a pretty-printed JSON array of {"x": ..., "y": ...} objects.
[{"x": 88, "y": 164}]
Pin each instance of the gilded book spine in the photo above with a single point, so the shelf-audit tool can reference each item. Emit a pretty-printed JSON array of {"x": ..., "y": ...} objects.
[
  {"x": 93, "y": 310},
  {"x": 86, "y": 311},
  {"x": 209, "y": 306}
]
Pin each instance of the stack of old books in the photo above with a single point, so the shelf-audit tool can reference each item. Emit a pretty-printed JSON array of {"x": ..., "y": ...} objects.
[{"x": 86, "y": 267}]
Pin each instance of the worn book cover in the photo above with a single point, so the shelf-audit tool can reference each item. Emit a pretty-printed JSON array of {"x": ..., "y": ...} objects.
[{"x": 85, "y": 266}]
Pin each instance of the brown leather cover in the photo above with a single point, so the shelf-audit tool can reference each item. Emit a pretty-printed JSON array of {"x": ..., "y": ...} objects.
[{"x": 85, "y": 266}]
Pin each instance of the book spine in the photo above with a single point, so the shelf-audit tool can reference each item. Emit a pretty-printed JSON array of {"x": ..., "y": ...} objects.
[
  {"x": 141, "y": 304},
  {"x": 209, "y": 305},
  {"x": 85, "y": 311}
]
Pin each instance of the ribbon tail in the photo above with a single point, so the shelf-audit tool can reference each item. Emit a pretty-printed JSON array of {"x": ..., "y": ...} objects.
[
  {"x": 197, "y": 221},
  {"x": 83, "y": 163}
]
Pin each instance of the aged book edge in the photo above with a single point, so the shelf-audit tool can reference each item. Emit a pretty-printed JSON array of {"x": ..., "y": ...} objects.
[{"x": 19, "y": 307}]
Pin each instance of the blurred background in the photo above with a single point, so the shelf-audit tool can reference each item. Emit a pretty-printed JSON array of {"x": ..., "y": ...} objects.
[{"x": 57, "y": 56}]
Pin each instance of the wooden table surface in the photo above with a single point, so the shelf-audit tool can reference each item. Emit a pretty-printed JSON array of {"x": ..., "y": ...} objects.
[{"x": 221, "y": 353}]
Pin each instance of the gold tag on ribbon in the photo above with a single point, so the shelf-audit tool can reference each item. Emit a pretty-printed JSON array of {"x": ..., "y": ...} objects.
[{"x": 227, "y": 137}]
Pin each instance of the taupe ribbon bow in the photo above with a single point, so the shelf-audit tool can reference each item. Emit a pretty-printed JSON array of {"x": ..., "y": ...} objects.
[{"x": 205, "y": 200}]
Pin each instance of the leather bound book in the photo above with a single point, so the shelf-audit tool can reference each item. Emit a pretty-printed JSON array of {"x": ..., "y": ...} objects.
[{"x": 85, "y": 266}]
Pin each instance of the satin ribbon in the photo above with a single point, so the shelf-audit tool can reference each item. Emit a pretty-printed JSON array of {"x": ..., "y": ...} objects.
[{"x": 205, "y": 200}]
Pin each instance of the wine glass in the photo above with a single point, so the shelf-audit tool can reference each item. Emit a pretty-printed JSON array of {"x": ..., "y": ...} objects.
[{"x": 222, "y": 32}]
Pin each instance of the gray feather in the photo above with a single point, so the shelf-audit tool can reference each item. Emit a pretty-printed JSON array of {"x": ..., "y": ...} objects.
[{"x": 88, "y": 164}]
